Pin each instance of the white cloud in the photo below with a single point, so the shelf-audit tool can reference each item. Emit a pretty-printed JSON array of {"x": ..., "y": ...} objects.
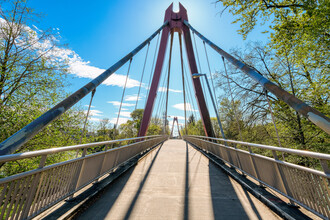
[
  {"x": 132, "y": 97},
  {"x": 163, "y": 89},
  {"x": 95, "y": 119},
  {"x": 83, "y": 69},
  {"x": 94, "y": 112},
  {"x": 180, "y": 106},
  {"x": 125, "y": 114},
  {"x": 124, "y": 109},
  {"x": 77, "y": 66},
  {"x": 120, "y": 121},
  {"x": 92, "y": 106},
  {"x": 117, "y": 103}
]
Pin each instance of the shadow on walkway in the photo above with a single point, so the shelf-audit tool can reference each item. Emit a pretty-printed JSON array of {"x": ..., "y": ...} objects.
[
  {"x": 112, "y": 193},
  {"x": 136, "y": 196}
]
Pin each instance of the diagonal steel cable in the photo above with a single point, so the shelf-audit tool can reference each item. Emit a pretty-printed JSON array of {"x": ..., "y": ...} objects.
[{"x": 144, "y": 65}]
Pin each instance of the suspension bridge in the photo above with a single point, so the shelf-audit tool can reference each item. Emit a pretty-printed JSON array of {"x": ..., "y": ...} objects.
[{"x": 158, "y": 177}]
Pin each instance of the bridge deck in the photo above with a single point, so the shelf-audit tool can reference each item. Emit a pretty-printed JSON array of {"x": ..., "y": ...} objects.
[{"x": 176, "y": 182}]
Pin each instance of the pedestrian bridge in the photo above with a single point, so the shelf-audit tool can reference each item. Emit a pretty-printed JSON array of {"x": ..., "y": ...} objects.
[
  {"x": 175, "y": 181},
  {"x": 194, "y": 178}
]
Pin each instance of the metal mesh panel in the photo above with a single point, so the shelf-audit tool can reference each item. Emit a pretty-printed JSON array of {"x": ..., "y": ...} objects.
[
  {"x": 27, "y": 194},
  {"x": 310, "y": 189},
  {"x": 268, "y": 173},
  {"x": 306, "y": 187},
  {"x": 89, "y": 170}
]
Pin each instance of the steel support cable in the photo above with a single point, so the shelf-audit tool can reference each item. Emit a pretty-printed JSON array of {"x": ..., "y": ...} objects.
[
  {"x": 144, "y": 65},
  {"x": 29, "y": 131},
  {"x": 274, "y": 123},
  {"x": 232, "y": 100},
  {"x": 168, "y": 77},
  {"x": 183, "y": 85},
  {"x": 160, "y": 102},
  {"x": 192, "y": 107},
  {"x": 200, "y": 70},
  {"x": 208, "y": 64},
  {"x": 160, "y": 99},
  {"x": 84, "y": 128},
  {"x": 152, "y": 69},
  {"x": 89, "y": 107},
  {"x": 318, "y": 118},
  {"x": 122, "y": 97}
]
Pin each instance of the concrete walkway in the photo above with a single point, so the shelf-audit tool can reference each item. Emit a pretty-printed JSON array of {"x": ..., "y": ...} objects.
[{"x": 176, "y": 182}]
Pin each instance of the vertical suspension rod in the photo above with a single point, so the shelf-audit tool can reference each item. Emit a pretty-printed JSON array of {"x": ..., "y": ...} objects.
[
  {"x": 312, "y": 114},
  {"x": 183, "y": 85},
  {"x": 168, "y": 78}
]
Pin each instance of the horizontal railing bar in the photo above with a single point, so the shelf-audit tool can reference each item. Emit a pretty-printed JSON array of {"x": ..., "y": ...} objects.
[
  {"x": 205, "y": 144},
  {"x": 24, "y": 155},
  {"x": 268, "y": 147},
  {"x": 316, "y": 172},
  {"x": 271, "y": 187},
  {"x": 38, "y": 170}
]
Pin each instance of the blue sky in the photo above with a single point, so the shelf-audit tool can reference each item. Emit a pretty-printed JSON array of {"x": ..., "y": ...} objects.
[{"x": 99, "y": 33}]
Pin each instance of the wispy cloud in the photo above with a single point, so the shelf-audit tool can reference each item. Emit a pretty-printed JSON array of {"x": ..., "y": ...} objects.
[
  {"x": 92, "y": 106},
  {"x": 76, "y": 65},
  {"x": 83, "y": 69},
  {"x": 163, "y": 89},
  {"x": 180, "y": 106},
  {"x": 132, "y": 97},
  {"x": 120, "y": 121},
  {"x": 95, "y": 119},
  {"x": 94, "y": 112},
  {"x": 124, "y": 114},
  {"x": 117, "y": 103}
]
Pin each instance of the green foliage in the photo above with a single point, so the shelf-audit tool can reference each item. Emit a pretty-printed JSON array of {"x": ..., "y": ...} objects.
[
  {"x": 131, "y": 127},
  {"x": 252, "y": 107},
  {"x": 32, "y": 80}
]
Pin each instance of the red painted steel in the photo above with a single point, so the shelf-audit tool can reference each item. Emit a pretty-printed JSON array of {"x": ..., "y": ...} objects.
[
  {"x": 176, "y": 24},
  {"x": 155, "y": 80}
]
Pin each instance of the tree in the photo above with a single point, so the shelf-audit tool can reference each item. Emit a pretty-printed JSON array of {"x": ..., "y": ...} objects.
[
  {"x": 228, "y": 114},
  {"x": 131, "y": 127},
  {"x": 295, "y": 131},
  {"x": 32, "y": 78}
]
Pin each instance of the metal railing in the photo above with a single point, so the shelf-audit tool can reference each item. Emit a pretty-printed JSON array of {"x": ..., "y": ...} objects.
[
  {"x": 304, "y": 186},
  {"x": 24, "y": 195}
]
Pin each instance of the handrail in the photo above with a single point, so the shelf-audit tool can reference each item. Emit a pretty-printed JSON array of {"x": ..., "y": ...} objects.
[
  {"x": 268, "y": 147},
  {"x": 302, "y": 185},
  {"x": 42, "y": 187},
  {"x": 24, "y": 155},
  {"x": 12, "y": 143}
]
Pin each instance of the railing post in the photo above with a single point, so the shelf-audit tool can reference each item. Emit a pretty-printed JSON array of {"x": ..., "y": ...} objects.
[
  {"x": 325, "y": 167},
  {"x": 33, "y": 189},
  {"x": 76, "y": 179},
  {"x": 254, "y": 166},
  {"x": 102, "y": 164},
  {"x": 282, "y": 176}
]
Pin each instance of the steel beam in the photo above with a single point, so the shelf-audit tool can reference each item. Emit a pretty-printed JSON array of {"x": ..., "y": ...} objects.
[{"x": 156, "y": 77}]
